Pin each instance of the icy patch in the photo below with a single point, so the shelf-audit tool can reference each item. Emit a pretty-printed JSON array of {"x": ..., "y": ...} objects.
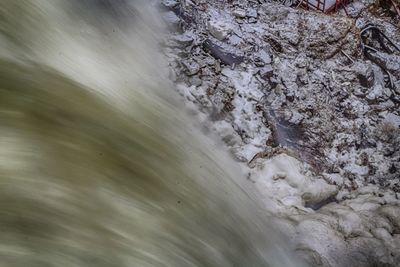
[{"x": 282, "y": 177}]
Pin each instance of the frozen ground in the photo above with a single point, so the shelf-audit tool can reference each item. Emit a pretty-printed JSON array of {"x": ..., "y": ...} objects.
[{"x": 314, "y": 124}]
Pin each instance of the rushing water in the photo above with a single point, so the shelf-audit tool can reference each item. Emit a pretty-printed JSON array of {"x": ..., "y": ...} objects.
[{"x": 99, "y": 166}]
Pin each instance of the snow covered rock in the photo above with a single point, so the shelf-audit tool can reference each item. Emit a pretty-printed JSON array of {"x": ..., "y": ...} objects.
[
  {"x": 240, "y": 13},
  {"x": 219, "y": 29}
]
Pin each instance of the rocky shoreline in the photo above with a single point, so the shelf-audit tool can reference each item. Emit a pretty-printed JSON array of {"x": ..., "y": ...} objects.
[{"x": 314, "y": 122}]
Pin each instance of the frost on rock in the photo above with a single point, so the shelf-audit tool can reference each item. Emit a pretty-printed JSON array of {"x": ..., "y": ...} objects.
[
  {"x": 313, "y": 121},
  {"x": 219, "y": 29}
]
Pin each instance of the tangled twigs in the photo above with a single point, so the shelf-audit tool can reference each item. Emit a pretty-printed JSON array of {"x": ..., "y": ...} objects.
[
  {"x": 371, "y": 33},
  {"x": 396, "y": 7}
]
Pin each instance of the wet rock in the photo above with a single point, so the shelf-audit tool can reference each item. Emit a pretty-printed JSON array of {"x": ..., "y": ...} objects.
[
  {"x": 171, "y": 19},
  {"x": 170, "y": 3},
  {"x": 319, "y": 204},
  {"x": 171, "y": 44},
  {"x": 183, "y": 40},
  {"x": 172, "y": 74},
  {"x": 219, "y": 29},
  {"x": 191, "y": 67},
  {"x": 196, "y": 81},
  {"x": 220, "y": 53}
]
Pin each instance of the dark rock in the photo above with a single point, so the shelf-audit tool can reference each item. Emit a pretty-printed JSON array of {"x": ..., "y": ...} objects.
[
  {"x": 219, "y": 53},
  {"x": 266, "y": 72},
  {"x": 320, "y": 204}
]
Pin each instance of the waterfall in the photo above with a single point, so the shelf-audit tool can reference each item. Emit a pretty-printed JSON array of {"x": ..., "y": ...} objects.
[{"x": 100, "y": 165}]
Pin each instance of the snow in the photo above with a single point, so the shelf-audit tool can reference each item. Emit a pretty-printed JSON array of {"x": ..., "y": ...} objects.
[{"x": 294, "y": 68}]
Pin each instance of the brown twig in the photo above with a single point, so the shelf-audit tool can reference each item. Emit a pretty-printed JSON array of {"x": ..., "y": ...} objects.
[{"x": 396, "y": 7}]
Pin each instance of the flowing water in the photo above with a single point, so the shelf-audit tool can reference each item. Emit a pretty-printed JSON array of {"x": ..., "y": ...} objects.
[{"x": 99, "y": 163}]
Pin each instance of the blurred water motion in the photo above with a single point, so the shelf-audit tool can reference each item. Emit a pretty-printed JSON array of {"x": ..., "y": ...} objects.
[{"x": 98, "y": 166}]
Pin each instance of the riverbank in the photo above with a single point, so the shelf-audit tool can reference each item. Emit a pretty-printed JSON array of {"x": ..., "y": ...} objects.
[{"x": 313, "y": 122}]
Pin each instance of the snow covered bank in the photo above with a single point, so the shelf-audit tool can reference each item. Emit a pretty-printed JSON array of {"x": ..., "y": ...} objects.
[{"x": 313, "y": 122}]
